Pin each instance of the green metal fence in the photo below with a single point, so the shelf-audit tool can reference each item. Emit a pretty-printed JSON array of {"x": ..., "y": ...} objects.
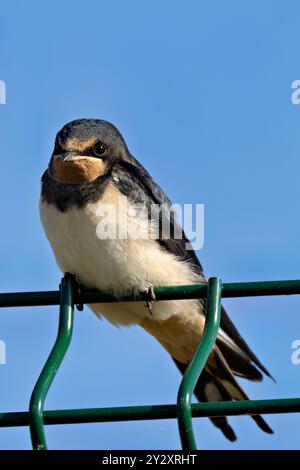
[{"x": 70, "y": 294}]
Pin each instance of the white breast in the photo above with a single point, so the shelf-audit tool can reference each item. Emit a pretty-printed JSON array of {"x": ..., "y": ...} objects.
[{"x": 117, "y": 265}]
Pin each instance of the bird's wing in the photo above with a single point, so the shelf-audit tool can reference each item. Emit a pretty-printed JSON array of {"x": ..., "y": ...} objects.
[
  {"x": 136, "y": 183},
  {"x": 133, "y": 180}
]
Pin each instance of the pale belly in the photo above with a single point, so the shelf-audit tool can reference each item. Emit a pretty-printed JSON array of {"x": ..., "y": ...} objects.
[{"x": 121, "y": 266}]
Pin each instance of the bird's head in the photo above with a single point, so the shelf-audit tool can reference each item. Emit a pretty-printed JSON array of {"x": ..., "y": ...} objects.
[{"x": 84, "y": 150}]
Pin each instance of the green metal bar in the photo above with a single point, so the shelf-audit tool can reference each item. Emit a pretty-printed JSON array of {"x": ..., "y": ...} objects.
[
  {"x": 154, "y": 412},
  {"x": 30, "y": 299},
  {"x": 260, "y": 288},
  {"x": 233, "y": 289},
  {"x": 194, "y": 369},
  {"x": 65, "y": 328}
]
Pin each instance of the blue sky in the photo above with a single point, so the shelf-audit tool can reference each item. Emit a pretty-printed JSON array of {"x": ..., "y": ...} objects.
[{"x": 201, "y": 91}]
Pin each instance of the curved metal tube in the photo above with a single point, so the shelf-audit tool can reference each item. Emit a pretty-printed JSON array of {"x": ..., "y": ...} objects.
[
  {"x": 64, "y": 335},
  {"x": 194, "y": 369}
]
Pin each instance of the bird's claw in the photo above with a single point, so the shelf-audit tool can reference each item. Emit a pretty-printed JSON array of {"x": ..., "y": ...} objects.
[{"x": 150, "y": 298}]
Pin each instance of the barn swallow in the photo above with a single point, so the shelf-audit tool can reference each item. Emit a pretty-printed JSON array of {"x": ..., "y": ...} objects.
[{"x": 91, "y": 169}]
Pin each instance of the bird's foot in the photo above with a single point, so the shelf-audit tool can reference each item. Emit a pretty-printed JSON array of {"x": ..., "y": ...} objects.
[{"x": 149, "y": 296}]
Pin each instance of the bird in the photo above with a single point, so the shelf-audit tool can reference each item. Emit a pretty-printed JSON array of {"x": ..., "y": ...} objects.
[{"x": 99, "y": 208}]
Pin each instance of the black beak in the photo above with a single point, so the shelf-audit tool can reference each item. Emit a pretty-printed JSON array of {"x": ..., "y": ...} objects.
[{"x": 68, "y": 156}]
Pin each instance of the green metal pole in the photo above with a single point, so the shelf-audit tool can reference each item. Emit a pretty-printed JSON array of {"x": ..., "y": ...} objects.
[
  {"x": 193, "y": 371},
  {"x": 154, "y": 412},
  {"x": 194, "y": 291},
  {"x": 65, "y": 328}
]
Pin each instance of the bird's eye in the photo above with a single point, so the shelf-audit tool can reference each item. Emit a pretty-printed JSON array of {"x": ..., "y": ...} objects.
[{"x": 99, "y": 149}]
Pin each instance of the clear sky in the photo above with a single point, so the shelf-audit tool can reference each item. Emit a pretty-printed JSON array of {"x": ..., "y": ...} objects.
[{"x": 201, "y": 91}]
